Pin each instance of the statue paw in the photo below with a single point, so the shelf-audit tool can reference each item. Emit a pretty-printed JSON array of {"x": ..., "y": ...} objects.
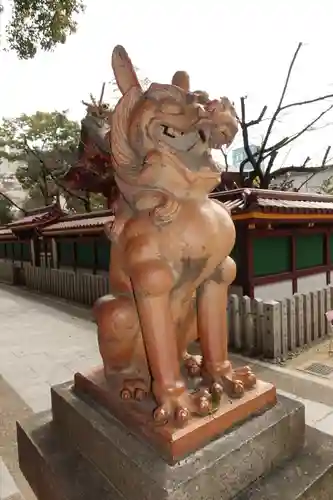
[
  {"x": 134, "y": 389},
  {"x": 246, "y": 376},
  {"x": 239, "y": 380},
  {"x": 177, "y": 413},
  {"x": 233, "y": 382},
  {"x": 178, "y": 410}
]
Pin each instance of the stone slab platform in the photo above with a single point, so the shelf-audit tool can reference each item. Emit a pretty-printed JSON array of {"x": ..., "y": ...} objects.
[
  {"x": 58, "y": 473},
  {"x": 308, "y": 477},
  {"x": 172, "y": 442},
  {"x": 54, "y": 470},
  {"x": 121, "y": 466}
]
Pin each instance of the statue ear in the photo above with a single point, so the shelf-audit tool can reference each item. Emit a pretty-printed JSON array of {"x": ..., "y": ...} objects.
[
  {"x": 182, "y": 80},
  {"x": 123, "y": 69}
]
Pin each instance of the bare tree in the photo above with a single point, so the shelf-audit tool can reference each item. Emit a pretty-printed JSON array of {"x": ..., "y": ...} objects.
[
  {"x": 11, "y": 202},
  {"x": 288, "y": 184},
  {"x": 264, "y": 159}
]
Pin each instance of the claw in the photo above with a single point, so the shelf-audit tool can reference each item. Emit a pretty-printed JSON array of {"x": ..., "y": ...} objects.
[
  {"x": 205, "y": 405},
  {"x": 238, "y": 389},
  {"x": 182, "y": 416},
  {"x": 126, "y": 394},
  {"x": 246, "y": 376},
  {"x": 140, "y": 395},
  {"x": 135, "y": 388},
  {"x": 217, "y": 391},
  {"x": 233, "y": 382},
  {"x": 161, "y": 415}
]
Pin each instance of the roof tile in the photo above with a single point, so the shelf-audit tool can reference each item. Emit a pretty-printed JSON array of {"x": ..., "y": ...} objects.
[
  {"x": 6, "y": 233},
  {"x": 81, "y": 223}
]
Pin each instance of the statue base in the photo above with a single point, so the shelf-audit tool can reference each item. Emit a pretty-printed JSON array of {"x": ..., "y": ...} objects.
[
  {"x": 174, "y": 443},
  {"x": 81, "y": 451}
]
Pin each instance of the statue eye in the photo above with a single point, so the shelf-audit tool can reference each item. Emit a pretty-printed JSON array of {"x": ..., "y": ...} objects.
[{"x": 171, "y": 108}]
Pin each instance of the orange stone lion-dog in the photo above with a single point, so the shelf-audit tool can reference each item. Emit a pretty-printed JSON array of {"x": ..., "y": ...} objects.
[{"x": 170, "y": 266}]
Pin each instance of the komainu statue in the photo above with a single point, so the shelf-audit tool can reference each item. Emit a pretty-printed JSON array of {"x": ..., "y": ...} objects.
[{"x": 170, "y": 266}]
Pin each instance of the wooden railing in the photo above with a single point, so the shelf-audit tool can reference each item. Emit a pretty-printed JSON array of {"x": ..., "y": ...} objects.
[
  {"x": 274, "y": 329},
  {"x": 81, "y": 287},
  {"x": 269, "y": 329}
]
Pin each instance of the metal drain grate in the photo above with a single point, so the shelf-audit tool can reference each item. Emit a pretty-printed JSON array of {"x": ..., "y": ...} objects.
[{"x": 319, "y": 369}]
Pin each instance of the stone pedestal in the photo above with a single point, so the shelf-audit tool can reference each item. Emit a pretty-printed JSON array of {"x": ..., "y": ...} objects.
[
  {"x": 80, "y": 452},
  {"x": 171, "y": 442}
]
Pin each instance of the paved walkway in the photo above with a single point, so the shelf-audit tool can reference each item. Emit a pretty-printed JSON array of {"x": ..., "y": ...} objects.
[{"x": 43, "y": 342}]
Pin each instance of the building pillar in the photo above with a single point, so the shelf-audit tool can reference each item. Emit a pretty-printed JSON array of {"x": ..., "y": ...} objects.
[
  {"x": 33, "y": 252},
  {"x": 54, "y": 252}
]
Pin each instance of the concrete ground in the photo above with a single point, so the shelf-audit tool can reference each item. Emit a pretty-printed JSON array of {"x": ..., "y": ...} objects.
[{"x": 44, "y": 341}]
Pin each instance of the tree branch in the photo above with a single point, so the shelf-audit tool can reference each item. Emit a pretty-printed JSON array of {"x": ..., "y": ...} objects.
[
  {"x": 12, "y": 202},
  {"x": 225, "y": 156},
  {"x": 309, "y": 101},
  {"x": 323, "y": 164},
  {"x": 249, "y": 154},
  {"x": 278, "y": 109},
  {"x": 300, "y": 170},
  {"x": 271, "y": 161},
  {"x": 288, "y": 140},
  {"x": 259, "y": 119}
]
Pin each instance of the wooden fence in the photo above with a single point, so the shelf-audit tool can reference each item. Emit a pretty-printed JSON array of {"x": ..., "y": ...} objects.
[
  {"x": 273, "y": 329},
  {"x": 81, "y": 287},
  {"x": 269, "y": 329}
]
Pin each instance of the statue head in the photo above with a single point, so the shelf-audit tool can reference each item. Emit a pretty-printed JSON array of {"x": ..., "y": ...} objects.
[{"x": 161, "y": 138}]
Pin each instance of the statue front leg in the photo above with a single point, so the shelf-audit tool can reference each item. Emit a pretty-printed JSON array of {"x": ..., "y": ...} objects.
[
  {"x": 152, "y": 283},
  {"x": 213, "y": 333}
]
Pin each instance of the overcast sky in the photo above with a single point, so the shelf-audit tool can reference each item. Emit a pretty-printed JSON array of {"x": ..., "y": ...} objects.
[{"x": 231, "y": 48}]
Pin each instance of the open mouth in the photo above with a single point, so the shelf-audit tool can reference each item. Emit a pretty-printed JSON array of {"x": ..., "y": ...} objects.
[{"x": 183, "y": 141}]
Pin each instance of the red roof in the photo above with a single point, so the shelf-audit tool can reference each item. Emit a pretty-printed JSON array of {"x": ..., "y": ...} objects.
[
  {"x": 264, "y": 200},
  {"x": 92, "y": 222},
  {"x": 36, "y": 218},
  {"x": 6, "y": 234}
]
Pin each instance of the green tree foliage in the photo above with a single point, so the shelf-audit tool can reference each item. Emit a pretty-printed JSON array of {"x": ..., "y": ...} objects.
[
  {"x": 42, "y": 143},
  {"x": 41, "y": 24},
  {"x": 45, "y": 144}
]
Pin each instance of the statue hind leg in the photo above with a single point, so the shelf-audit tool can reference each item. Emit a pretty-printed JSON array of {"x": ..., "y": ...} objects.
[{"x": 121, "y": 346}]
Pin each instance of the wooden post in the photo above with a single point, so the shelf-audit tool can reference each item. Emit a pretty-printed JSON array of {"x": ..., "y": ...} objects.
[
  {"x": 327, "y": 292},
  {"x": 259, "y": 324},
  {"x": 299, "y": 318},
  {"x": 321, "y": 314},
  {"x": 291, "y": 324},
  {"x": 235, "y": 326},
  {"x": 307, "y": 319},
  {"x": 314, "y": 314},
  {"x": 284, "y": 329},
  {"x": 272, "y": 337},
  {"x": 248, "y": 326}
]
